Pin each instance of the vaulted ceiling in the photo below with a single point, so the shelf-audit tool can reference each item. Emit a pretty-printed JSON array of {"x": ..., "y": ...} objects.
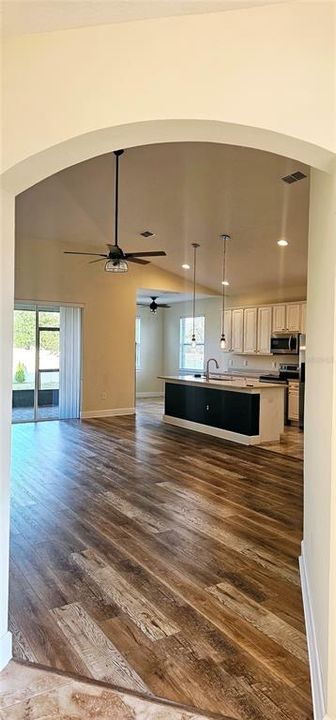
[{"x": 184, "y": 193}]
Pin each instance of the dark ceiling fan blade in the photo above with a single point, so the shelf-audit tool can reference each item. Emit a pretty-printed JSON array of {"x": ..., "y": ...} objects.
[
  {"x": 155, "y": 253},
  {"x": 101, "y": 259},
  {"x": 74, "y": 252},
  {"x": 163, "y": 306},
  {"x": 137, "y": 260}
]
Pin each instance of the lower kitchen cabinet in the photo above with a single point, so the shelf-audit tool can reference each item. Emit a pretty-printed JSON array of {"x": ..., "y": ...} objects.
[
  {"x": 293, "y": 400},
  {"x": 234, "y": 411}
]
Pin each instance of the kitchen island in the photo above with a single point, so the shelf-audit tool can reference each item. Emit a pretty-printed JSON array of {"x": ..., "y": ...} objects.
[{"x": 242, "y": 410}]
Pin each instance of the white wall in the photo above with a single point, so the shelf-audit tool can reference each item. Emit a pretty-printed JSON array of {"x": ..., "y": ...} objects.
[
  {"x": 320, "y": 429},
  {"x": 6, "y": 320},
  {"x": 151, "y": 344},
  {"x": 232, "y": 70},
  {"x": 211, "y": 309},
  {"x": 262, "y": 77}
]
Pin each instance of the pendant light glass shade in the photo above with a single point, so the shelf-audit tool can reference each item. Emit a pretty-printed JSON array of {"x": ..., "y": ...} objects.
[
  {"x": 224, "y": 285},
  {"x": 195, "y": 246}
]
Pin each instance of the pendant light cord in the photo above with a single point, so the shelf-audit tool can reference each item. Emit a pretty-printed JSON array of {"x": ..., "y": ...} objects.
[
  {"x": 194, "y": 292},
  {"x": 223, "y": 280},
  {"x": 117, "y": 154}
]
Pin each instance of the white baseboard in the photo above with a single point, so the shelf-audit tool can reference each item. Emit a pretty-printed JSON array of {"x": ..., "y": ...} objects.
[
  {"x": 210, "y": 430},
  {"x": 86, "y": 414},
  {"x": 150, "y": 395},
  {"x": 314, "y": 660},
  {"x": 5, "y": 649}
]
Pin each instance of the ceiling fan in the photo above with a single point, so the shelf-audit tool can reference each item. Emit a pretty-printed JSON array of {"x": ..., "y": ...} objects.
[
  {"x": 153, "y": 306},
  {"x": 116, "y": 260}
]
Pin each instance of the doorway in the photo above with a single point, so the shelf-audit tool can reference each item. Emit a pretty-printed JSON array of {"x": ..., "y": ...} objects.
[{"x": 46, "y": 363}]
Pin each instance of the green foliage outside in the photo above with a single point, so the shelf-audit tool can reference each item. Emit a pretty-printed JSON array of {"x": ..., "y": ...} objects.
[
  {"x": 24, "y": 330},
  {"x": 20, "y": 374}
]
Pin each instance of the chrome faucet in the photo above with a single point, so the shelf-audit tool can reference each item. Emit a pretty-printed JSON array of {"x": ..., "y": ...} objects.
[{"x": 207, "y": 372}]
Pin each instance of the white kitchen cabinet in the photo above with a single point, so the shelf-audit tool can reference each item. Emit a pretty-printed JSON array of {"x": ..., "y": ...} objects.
[
  {"x": 279, "y": 318},
  {"x": 250, "y": 330},
  {"x": 264, "y": 330},
  {"x": 303, "y": 318},
  {"x": 293, "y": 400},
  {"x": 228, "y": 330},
  {"x": 293, "y": 317},
  {"x": 237, "y": 329}
]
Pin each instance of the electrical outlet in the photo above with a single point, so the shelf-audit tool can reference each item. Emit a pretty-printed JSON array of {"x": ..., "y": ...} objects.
[
  {"x": 231, "y": 362},
  {"x": 104, "y": 396},
  {"x": 245, "y": 363}
]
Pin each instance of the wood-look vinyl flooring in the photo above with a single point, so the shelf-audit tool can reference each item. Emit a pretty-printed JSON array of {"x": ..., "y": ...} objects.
[{"x": 161, "y": 560}]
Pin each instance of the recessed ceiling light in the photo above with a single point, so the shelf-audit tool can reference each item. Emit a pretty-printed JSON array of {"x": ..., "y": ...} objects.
[
  {"x": 225, "y": 282},
  {"x": 186, "y": 266},
  {"x": 282, "y": 243}
]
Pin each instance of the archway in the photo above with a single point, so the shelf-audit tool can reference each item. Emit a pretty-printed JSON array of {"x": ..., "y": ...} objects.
[{"x": 320, "y": 294}]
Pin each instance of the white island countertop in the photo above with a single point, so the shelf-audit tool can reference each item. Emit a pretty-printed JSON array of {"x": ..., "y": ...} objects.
[{"x": 236, "y": 384}]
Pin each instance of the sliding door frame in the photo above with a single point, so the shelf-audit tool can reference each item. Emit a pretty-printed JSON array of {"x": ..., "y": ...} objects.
[{"x": 37, "y": 307}]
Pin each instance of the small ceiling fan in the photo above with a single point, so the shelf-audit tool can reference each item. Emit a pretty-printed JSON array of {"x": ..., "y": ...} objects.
[
  {"x": 153, "y": 306},
  {"x": 116, "y": 260}
]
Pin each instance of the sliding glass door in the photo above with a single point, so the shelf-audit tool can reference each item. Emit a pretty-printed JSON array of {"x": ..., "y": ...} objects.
[
  {"x": 24, "y": 364},
  {"x": 46, "y": 363}
]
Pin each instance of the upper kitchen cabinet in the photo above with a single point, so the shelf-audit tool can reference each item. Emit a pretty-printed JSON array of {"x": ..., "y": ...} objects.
[
  {"x": 237, "y": 330},
  {"x": 303, "y": 318},
  {"x": 264, "y": 330},
  {"x": 287, "y": 317},
  {"x": 279, "y": 318},
  {"x": 228, "y": 330},
  {"x": 293, "y": 317},
  {"x": 250, "y": 330}
]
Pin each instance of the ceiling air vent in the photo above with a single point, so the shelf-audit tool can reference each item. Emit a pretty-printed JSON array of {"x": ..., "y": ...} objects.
[
  {"x": 147, "y": 233},
  {"x": 294, "y": 177}
]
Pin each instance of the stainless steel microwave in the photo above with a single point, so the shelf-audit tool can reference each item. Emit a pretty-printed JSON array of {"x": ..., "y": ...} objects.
[{"x": 285, "y": 344}]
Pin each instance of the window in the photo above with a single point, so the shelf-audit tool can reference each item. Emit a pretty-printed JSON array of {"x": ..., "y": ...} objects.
[
  {"x": 191, "y": 358},
  {"x": 137, "y": 344}
]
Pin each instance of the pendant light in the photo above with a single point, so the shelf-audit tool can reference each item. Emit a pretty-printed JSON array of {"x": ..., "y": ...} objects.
[
  {"x": 195, "y": 246},
  {"x": 224, "y": 284}
]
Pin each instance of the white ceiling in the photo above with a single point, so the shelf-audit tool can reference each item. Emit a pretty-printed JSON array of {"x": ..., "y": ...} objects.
[
  {"x": 184, "y": 192},
  {"x": 34, "y": 16}
]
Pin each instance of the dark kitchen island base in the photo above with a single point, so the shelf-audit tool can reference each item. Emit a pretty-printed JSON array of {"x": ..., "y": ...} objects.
[{"x": 247, "y": 414}]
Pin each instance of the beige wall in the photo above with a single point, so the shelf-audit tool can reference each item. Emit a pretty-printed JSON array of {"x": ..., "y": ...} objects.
[
  {"x": 320, "y": 428},
  {"x": 44, "y": 274}
]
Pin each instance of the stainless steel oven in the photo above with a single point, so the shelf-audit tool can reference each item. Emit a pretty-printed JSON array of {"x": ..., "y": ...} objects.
[{"x": 285, "y": 344}]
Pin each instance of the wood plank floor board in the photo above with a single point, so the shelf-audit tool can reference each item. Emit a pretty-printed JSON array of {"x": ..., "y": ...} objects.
[{"x": 163, "y": 558}]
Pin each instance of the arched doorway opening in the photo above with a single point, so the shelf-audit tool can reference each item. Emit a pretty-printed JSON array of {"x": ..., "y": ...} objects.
[{"x": 42, "y": 162}]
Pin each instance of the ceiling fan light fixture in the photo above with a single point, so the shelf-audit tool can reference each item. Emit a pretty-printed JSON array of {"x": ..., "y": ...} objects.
[
  {"x": 116, "y": 266},
  {"x": 282, "y": 242}
]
